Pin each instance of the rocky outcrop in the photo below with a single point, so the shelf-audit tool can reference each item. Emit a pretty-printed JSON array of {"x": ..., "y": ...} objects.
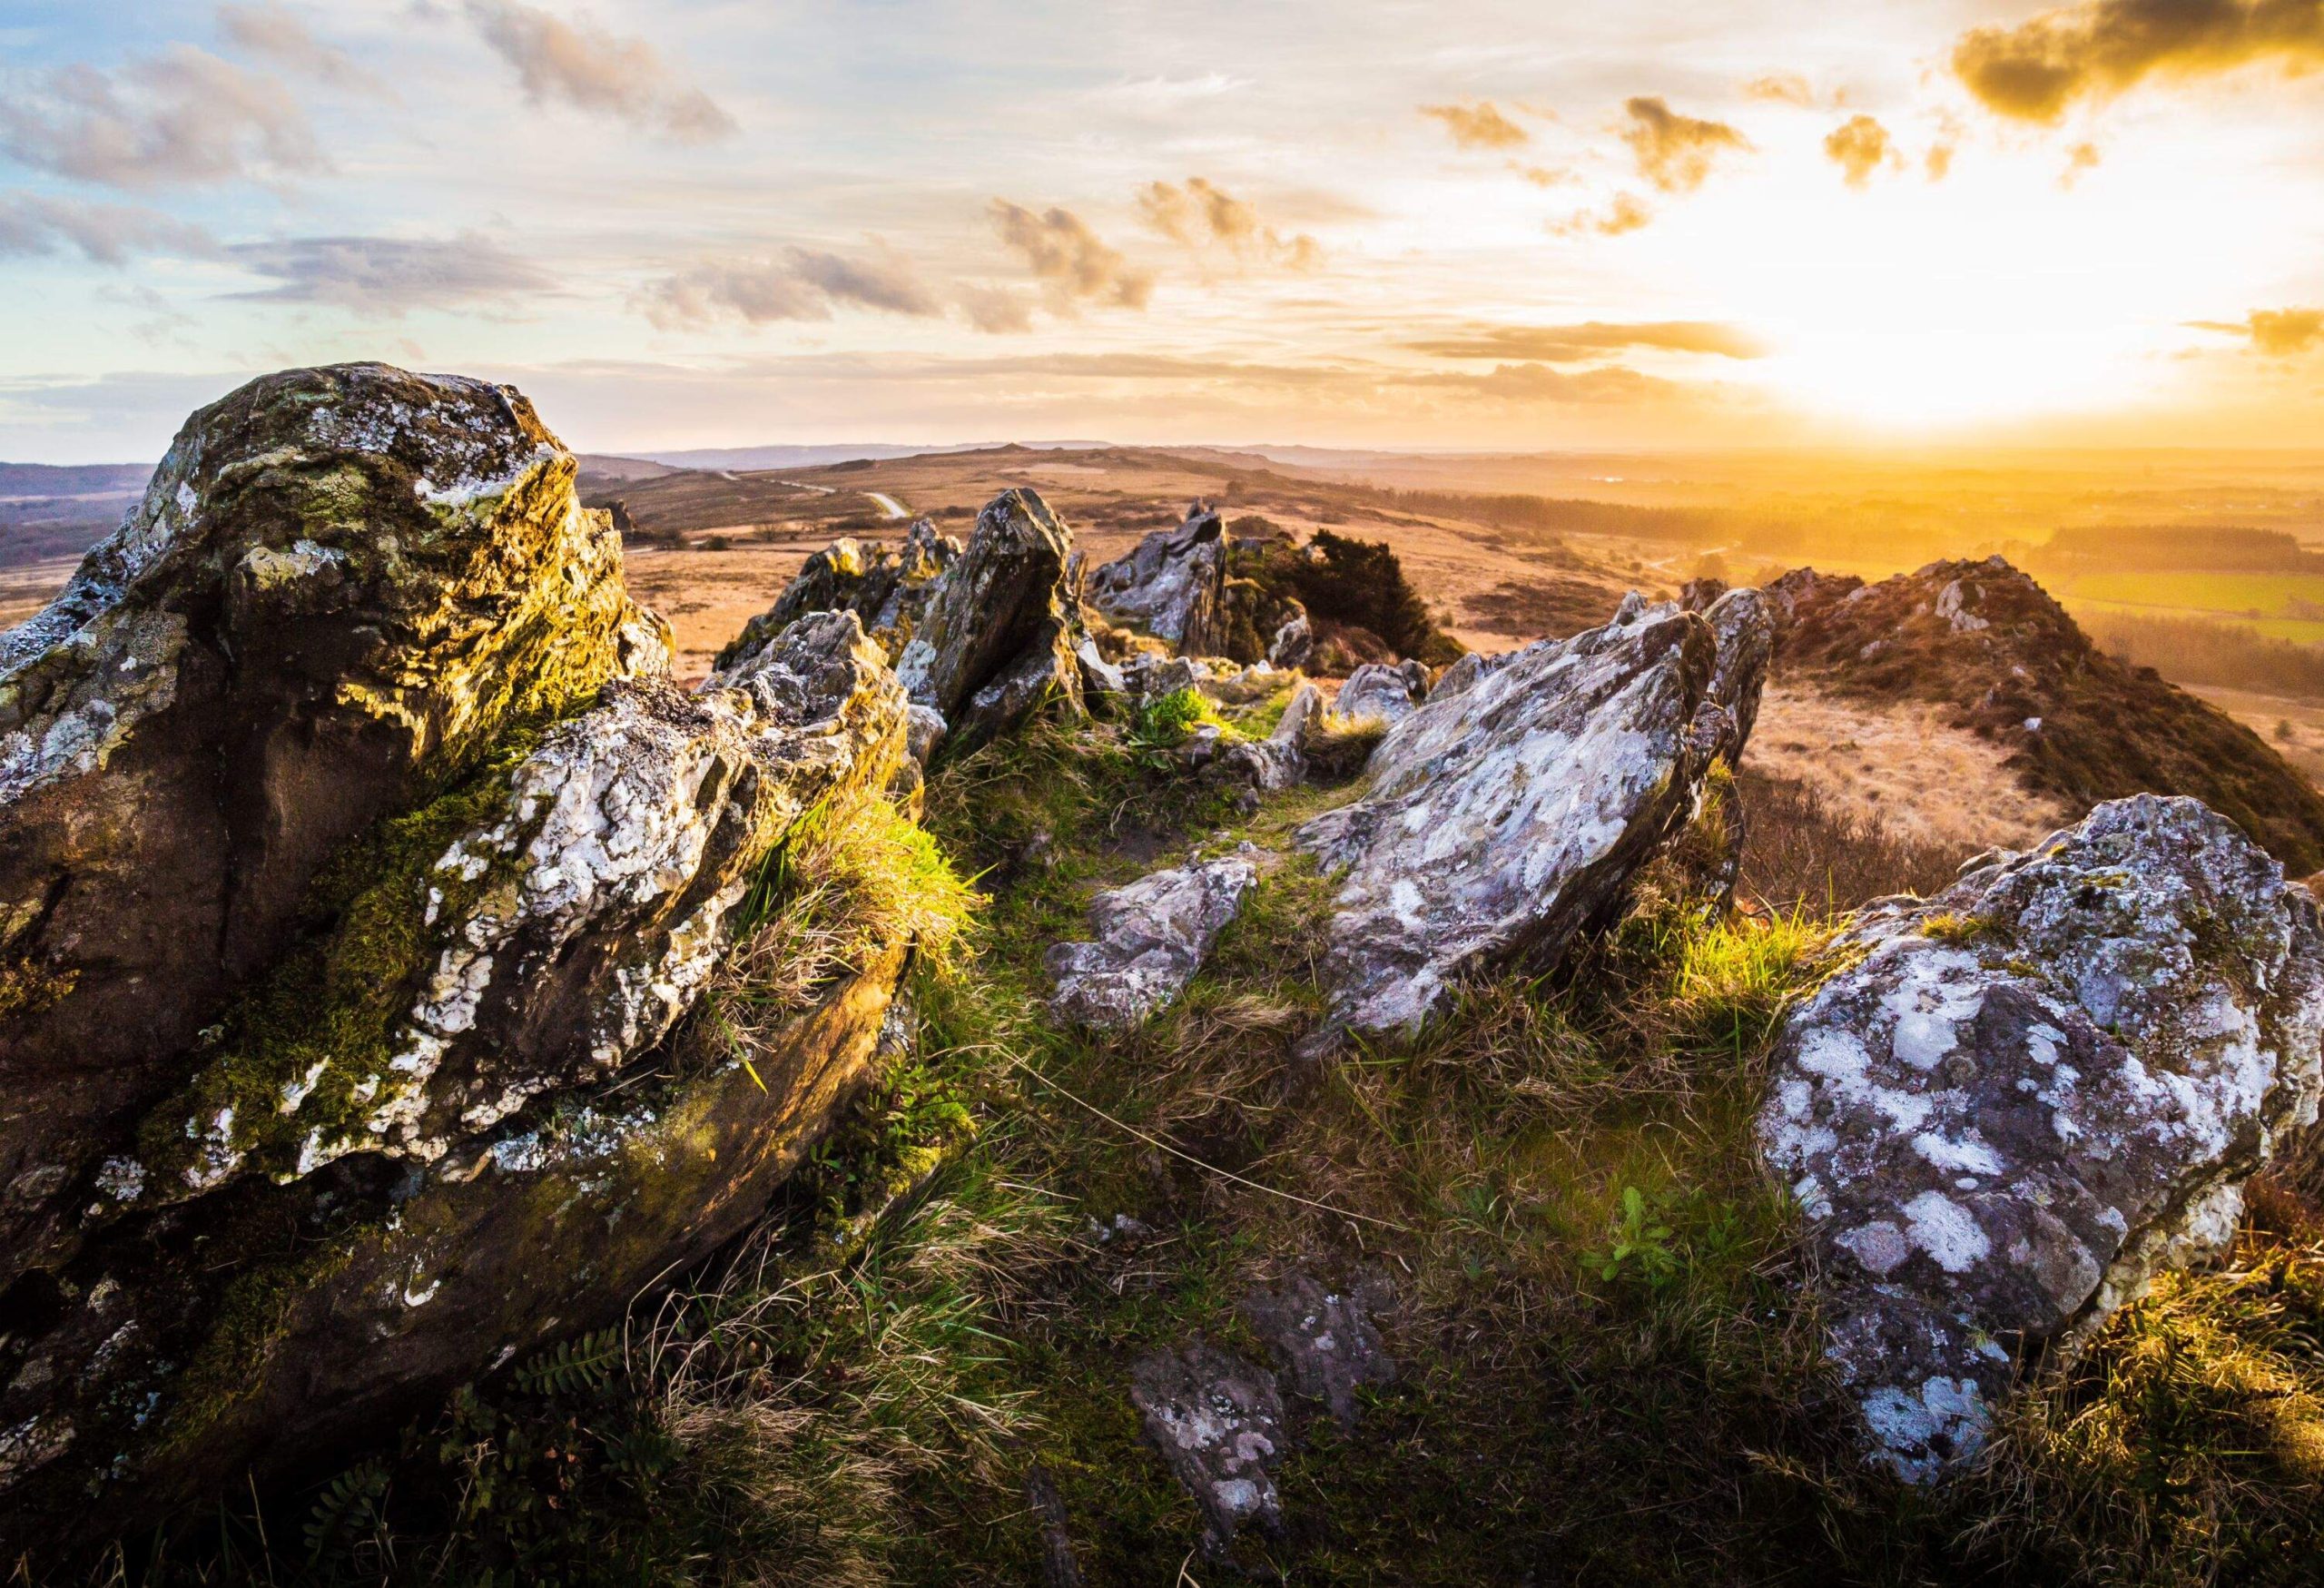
[
  {"x": 341, "y": 587},
  {"x": 449, "y": 1117},
  {"x": 1377, "y": 690},
  {"x": 1505, "y": 818},
  {"x": 1172, "y": 586},
  {"x": 2010, "y": 665},
  {"x": 1743, "y": 624},
  {"x": 1150, "y": 938},
  {"x": 886, "y": 586},
  {"x": 996, "y": 642},
  {"x": 1218, "y": 1422},
  {"x": 1279, "y": 760},
  {"x": 2034, "y": 1091}
]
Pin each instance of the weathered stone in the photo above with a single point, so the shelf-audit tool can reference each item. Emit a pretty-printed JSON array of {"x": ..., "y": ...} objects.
[
  {"x": 1377, "y": 689},
  {"x": 1744, "y": 625},
  {"x": 1293, "y": 639},
  {"x": 996, "y": 640},
  {"x": 1503, "y": 820},
  {"x": 1279, "y": 760},
  {"x": 342, "y": 586},
  {"x": 2032, "y": 1093},
  {"x": 1172, "y": 586},
  {"x": 1466, "y": 671},
  {"x": 885, "y": 586},
  {"x": 1151, "y": 937},
  {"x": 1218, "y": 1423},
  {"x": 1325, "y": 1338},
  {"x": 399, "y": 1140}
]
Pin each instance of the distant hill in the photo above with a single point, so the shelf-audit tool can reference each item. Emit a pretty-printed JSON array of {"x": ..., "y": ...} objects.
[
  {"x": 49, "y": 511},
  {"x": 754, "y": 458},
  {"x": 1984, "y": 639}
]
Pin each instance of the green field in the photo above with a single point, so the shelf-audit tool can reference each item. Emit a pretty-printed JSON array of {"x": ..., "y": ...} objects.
[{"x": 2290, "y": 605}]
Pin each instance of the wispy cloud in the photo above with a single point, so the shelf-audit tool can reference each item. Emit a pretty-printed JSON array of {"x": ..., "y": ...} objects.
[
  {"x": 1479, "y": 126},
  {"x": 106, "y": 234},
  {"x": 1625, "y": 212},
  {"x": 2036, "y": 70},
  {"x": 802, "y": 284},
  {"x": 1566, "y": 344},
  {"x": 182, "y": 117},
  {"x": 603, "y": 72},
  {"x": 1073, "y": 263},
  {"x": 2275, "y": 333},
  {"x": 1676, "y": 152},
  {"x": 269, "y": 28},
  {"x": 389, "y": 276},
  {"x": 1207, "y": 219}
]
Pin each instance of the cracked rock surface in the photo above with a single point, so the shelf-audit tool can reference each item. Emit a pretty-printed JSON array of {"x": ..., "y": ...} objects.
[
  {"x": 1149, "y": 940},
  {"x": 1218, "y": 1422},
  {"x": 2033, "y": 1092},
  {"x": 1172, "y": 584},
  {"x": 996, "y": 641}
]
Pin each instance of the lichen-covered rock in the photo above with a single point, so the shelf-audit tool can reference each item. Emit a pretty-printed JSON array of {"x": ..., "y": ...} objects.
[
  {"x": 342, "y": 586},
  {"x": 1151, "y": 937},
  {"x": 1218, "y": 1422},
  {"x": 1173, "y": 584},
  {"x": 1325, "y": 1338},
  {"x": 1466, "y": 671},
  {"x": 1503, "y": 819},
  {"x": 996, "y": 641},
  {"x": 886, "y": 586},
  {"x": 1293, "y": 641},
  {"x": 1377, "y": 689},
  {"x": 398, "y": 1135},
  {"x": 2033, "y": 1092},
  {"x": 1744, "y": 625},
  {"x": 1279, "y": 760}
]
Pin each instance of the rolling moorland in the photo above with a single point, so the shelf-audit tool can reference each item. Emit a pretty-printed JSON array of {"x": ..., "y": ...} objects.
[{"x": 1060, "y": 1038}]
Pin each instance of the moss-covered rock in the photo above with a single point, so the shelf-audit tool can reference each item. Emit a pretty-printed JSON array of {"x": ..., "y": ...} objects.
[{"x": 341, "y": 587}]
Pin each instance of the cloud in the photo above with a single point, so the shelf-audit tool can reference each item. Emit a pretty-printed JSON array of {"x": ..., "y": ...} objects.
[
  {"x": 32, "y": 224},
  {"x": 1539, "y": 384},
  {"x": 803, "y": 284},
  {"x": 2274, "y": 333},
  {"x": 1627, "y": 213},
  {"x": 272, "y": 29},
  {"x": 388, "y": 275},
  {"x": 597, "y": 70},
  {"x": 1781, "y": 88},
  {"x": 1938, "y": 163},
  {"x": 1674, "y": 151},
  {"x": 1073, "y": 263},
  {"x": 1860, "y": 146},
  {"x": 1546, "y": 175},
  {"x": 2100, "y": 48},
  {"x": 995, "y": 311},
  {"x": 1566, "y": 344},
  {"x": 1479, "y": 126},
  {"x": 2081, "y": 161},
  {"x": 181, "y": 117},
  {"x": 1202, "y": 216}
]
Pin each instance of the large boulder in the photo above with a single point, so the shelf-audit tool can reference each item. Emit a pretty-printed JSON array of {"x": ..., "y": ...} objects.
[
  {"x": 1506, "y": 817},
  {"x": 1150, "y": 938},
  {"x": 996, "y": 642},
  {"x": 2032, "y": 1092},
  {"x": 1379, "y": 691},
  {"x": 448, "y": 1128},
  {"x": 1172, "y": 586},
  {"x": 887, "y": 586},
  {"x": 341, "y": 588}
]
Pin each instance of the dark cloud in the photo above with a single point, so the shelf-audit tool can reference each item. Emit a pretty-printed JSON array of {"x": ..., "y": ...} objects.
[
  {"x": 2036, "y": 70},
  {"x": 183, "y": 116},
  {"x": 1206, "y": 217},
  {"x": 803, "y": 284},
  {"x": 1626, "y": 213},
  {"x": 272, "y": 29},
  {"x": 389, "y": 275},
  {"x": 1074, "y": 266},
  {"x": 596, "y": 71},
  {"x": 1674, "y": 151},
  {"x": 1860, "y": 146},
  {"x": 1479, "y": 126},
  {"x": 1566, "y": 344},
  {"x": 2275, "y": 333},
  {"x": 34, "y": 224}
]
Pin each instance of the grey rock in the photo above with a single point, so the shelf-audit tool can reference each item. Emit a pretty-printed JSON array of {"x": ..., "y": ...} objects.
[
  {"x": 996, "y": 641},
  {"x": 1293, "y": 640},
  {"x": 1465, "y": 671},
  {"x": 1504, "y": 819},
  {"x": 1218, "y": 1423},
  {"x": 1279, "y": 760},
  {"x": 2032, "y": 1093},
  {"x": 1172, "y": 584},
  {"x": 1743, "y": 622},
  {"x": 1379, "y": 690},
  {"x": 1151, "y": 937},
  {"x": 885, "y": 586},
  {"x": 1324, "y": 1339}
]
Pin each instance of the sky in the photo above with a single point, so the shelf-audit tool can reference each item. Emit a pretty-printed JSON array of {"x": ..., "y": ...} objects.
[{"x": 1490, "y": 224}]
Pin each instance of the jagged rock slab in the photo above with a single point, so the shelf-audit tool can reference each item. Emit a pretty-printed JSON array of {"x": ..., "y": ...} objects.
[
  {"x": 340, "y": 584},
  {"x": 1150, "y": 938},
  {"x": 1325, "y": 1338},
  {"x": 1172, "y": 584},
  {"x": 1279, "y": 760},
  {"x": 885, "y": 586},
  {"x": 997, "y": 639},
  {"x": 1218, "y": 1423},
  {"x": 561, "y": 914},
  {"x": 1743, "y": 623},
  {"x": 1379, "y": 690},
  {"x": 1506, "y": 818},
  {"x": 2032, "y": 1093}
]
